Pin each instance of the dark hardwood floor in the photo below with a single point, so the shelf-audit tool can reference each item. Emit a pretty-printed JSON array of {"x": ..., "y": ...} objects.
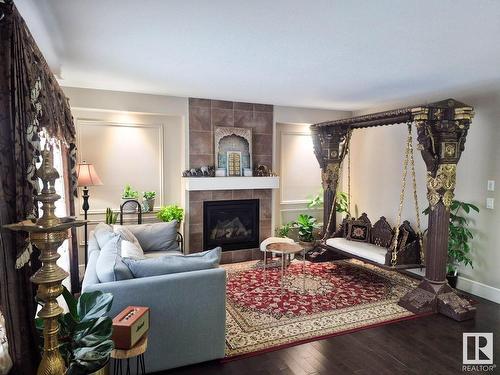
[{"x": 428, "y": 345}]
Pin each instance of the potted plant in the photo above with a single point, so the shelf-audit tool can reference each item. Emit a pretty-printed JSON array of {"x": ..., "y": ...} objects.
[
  {"x": 306, "y": 225},
  {"x": 149, "y": 200},
  {"x": 459, "y": 237},
  {"x": 284, "y": 230},
  {"x": 111, "y": 216},
  {"x": 128, "y": 194},
  {"x": 341, "y": 202},
  {"x": 85, "y": 332},
  {"x": 171, "y": 212}
]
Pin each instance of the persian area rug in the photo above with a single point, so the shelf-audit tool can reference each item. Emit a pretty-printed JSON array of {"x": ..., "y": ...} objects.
[{"x": 333, "y": 298}]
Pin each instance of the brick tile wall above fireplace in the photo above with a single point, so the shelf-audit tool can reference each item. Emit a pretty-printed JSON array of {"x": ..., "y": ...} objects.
[{"x": 204, "y": 116}]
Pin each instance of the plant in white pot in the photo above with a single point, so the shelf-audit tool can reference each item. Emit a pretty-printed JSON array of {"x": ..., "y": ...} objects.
[
  {"x": 128, "y": 194},
  {"x": 149, "y": 200}
]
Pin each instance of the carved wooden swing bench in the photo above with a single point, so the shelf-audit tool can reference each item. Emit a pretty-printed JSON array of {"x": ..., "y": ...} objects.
[
  {"x": 357, "y": 238},
  {"x": 398, "y": 248},
  {"x": 442, "y": 129}
]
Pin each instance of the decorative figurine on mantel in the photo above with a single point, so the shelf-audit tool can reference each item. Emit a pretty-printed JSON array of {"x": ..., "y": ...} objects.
[
  {"x": 47, "y": 234},
  {"x": 205, "y": 171},
  {"x": 263, "y": 171}
]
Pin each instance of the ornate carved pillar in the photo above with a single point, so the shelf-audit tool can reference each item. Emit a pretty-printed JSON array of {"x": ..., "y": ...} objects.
[
  {"x": 442, "y": 129},
  {"x": 330, "y": 147}
]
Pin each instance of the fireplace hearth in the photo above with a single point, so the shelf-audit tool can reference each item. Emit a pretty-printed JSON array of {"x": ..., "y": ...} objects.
[{"x": 231, "y": 224}]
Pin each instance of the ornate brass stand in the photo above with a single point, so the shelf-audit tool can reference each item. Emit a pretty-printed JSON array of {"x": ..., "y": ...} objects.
[{"x": 47, "y": 234}]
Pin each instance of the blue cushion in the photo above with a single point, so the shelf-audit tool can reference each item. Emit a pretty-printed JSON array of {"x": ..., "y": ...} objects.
[
  {"x": 157, "y": 236},
  {"x": 103, "y": 233},
  {"x": 174, "y": 263},
  {"x": 109, "y": 266}
]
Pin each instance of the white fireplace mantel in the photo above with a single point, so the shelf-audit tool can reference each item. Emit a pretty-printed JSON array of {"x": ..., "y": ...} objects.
[{"x": 230, "y": 183}]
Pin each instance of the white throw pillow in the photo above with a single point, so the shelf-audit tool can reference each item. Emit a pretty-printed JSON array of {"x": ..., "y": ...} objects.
[{"x": 129, "y": 245}]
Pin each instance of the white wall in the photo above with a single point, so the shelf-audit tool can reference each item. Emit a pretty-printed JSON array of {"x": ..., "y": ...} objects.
[
  {"x": 376, "y": 171},
  {"x": 155, "y": 124},
  {"x": 142, "y": 150}
]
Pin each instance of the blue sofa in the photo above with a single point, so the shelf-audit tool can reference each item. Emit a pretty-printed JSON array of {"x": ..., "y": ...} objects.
[{"x": 188, "y": 311}]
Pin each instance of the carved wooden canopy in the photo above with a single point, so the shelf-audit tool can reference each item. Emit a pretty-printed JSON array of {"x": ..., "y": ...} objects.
[{"x": 442, "y": 128}]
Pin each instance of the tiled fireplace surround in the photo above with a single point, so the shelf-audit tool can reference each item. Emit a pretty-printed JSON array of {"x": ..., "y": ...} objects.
[{"x": 204, "y": 116}]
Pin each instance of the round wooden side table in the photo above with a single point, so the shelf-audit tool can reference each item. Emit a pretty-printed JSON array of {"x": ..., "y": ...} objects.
[
  {"x": 119, "y": 355},
  {"x": 285, "y": 249}
]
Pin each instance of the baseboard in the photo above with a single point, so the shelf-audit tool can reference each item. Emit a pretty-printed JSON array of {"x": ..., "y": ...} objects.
[{"x": 479, "y": 289}]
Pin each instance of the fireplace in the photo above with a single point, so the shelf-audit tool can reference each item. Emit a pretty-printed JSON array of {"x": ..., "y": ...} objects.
[{"x": 231, "y": 224}]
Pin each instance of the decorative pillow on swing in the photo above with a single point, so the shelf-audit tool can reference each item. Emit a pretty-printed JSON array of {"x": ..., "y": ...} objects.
[
  {"x": 382, "y": 233},
  {"x": 359, "y": 230}
]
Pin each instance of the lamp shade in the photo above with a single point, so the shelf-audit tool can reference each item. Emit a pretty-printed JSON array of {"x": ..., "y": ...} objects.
[{"x": 87, "y": 176}]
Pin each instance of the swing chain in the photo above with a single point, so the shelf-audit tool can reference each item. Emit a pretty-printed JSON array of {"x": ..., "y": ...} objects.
[
  {"x": 401, "y": 202},
  {"x": 415, "y": 196},
  {"x": 349, "y": 176},
  {"x": 408, "y": 159}
]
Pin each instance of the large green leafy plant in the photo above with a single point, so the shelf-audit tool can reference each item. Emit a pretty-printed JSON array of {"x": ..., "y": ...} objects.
[
  {"x": 171, "y": 212},
  {"x": 459, "y": 235},
  {"x": 341, "y": 202},
  {"x": 85, "y": 332},
  {"x": 305, "y": 224}
]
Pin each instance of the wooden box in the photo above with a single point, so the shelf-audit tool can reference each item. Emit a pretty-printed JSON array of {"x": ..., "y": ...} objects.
[{"x": 129, "y": 326}]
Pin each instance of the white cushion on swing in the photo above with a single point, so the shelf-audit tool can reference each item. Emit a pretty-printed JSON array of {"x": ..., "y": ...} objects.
[{"x": 363, "y": 250}]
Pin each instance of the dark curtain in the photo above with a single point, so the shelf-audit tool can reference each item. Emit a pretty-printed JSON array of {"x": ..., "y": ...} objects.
[
  {"x": 30, "y": 101},
  {"x": 69, "y": 165}
]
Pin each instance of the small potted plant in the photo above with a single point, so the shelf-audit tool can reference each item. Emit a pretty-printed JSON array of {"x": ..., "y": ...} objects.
[
  {"x": 306, "y": 224},
  {"x": 85, "y": 332},
  {"x": 459, "y": 237},
  {"x": 128, "y": 194},
  {"x": 284, "y": 230},
  {"x": 149, "y": 200},
  {"x": 111, "y": 216},
  {"x": 171, "y": 212}
]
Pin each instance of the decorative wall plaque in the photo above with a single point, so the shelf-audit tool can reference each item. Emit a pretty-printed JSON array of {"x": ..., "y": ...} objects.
[{"x": 228, "y": 140}]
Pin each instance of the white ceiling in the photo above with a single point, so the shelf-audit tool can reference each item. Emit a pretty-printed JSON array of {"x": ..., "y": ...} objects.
[{"x": 348, "y": 54}]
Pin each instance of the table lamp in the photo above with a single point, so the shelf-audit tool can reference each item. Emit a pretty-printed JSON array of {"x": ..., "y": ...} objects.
[{"x": 87, "y": 176}]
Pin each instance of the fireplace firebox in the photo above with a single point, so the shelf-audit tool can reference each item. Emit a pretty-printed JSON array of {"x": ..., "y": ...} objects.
[{"x": 231, "y": 224}]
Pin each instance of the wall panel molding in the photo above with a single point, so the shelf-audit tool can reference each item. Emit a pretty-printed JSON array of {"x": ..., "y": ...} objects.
[
  {"x": 149, "y": 137},
  {"x": 286, "y": 197}
]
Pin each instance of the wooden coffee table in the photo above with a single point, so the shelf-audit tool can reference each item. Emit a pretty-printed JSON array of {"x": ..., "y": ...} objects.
[{"x": 285, "y": 249}]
